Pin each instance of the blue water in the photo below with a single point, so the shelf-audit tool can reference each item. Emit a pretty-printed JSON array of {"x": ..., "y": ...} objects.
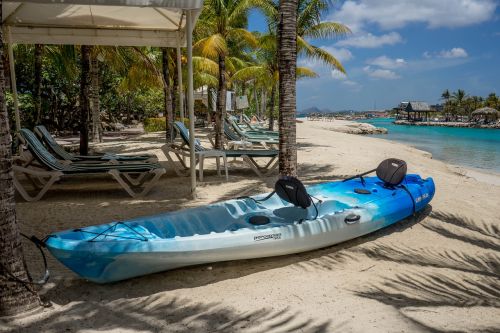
[{"x": 470, "y": 147}]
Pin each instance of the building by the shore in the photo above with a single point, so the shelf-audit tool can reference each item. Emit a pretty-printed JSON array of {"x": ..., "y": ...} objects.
[{"x": 415, "y": 111}]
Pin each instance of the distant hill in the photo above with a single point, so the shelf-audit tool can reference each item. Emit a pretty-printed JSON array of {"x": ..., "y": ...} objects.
[{"x": 314, "y": 109}]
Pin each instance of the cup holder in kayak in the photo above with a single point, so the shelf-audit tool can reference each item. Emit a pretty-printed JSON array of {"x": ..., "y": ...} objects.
[
  {"x": 362, "y": 191},
  {"x": 258, "y": 220},
  {"x": 352, "y": 218}
]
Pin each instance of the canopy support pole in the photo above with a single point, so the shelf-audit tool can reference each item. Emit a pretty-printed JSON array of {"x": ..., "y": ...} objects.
[
  {"x": 179, "y": 77},
  {"x": 13, "y": 82},
  {"x": 190, "y": 100}
]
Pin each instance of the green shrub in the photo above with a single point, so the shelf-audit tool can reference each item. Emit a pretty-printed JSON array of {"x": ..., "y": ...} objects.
[{"x": 154, "y": 124}]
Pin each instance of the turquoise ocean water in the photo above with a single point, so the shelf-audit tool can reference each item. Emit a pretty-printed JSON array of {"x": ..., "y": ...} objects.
[{"x": 469, "y": 147}]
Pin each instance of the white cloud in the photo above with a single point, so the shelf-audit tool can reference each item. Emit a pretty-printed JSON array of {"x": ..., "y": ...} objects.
[
  {"x": 379, "y": 73},
  {"x": 368, "y": 40},
  {"x": 386, "y": 62},
  {"x": 391, "y": 14},
  {"x": 456, "y": 52}
]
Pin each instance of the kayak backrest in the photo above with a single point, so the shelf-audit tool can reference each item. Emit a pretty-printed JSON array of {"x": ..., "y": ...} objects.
[
  {"x": 293, "y": 191},
  {"x": 392, "y": 171}
]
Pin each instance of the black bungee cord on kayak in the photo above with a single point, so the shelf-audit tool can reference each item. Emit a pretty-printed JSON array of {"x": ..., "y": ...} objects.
[{"x": 112, "y": 228}]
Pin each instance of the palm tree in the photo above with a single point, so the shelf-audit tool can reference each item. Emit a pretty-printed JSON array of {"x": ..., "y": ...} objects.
[
  {"x": 15, "y": 296},
  {"x": 458, "y": 98},
  {"x": 309, "y": 25},
  {"x": 287, "y": 63},
  {"x": 265, "y": 73},
  {"x": 222, "y": 25},
  {"x": 169, "y": 117},
  {"x": 95, "y": 99},
  {"x": 37, "y": 84},
  {"x": 84, "y": 98},
  {"x": 445, "y": 95}
]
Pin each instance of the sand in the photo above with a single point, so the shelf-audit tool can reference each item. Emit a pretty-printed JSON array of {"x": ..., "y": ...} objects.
[{"x": 436, "y": 272}]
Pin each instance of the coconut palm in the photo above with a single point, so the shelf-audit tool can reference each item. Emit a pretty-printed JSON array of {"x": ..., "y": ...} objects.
[
  {"x": 84, "y": 98},
  {"x": 221, "y": 27},
  {"x": 309, "y": 25},
  {"x": 287, "y": 63},
  {"x": 37, "y": 84},
  {"x": 15, "y": 297},
  {"x": 264, "y": 72}
]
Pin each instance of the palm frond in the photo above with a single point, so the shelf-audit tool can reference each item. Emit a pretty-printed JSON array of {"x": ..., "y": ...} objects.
[
  {"x": 211, "y": 47},
  {"x": 243, "y": 34},
  {"x": 302, "y": 72},
  {"x": 327, "y": 30},
  {"x": 323, "y": 56}
]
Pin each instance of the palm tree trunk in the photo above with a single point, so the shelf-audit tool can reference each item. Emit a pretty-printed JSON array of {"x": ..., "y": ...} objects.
[
  {"x": 257, "y": 109},
  {"x": 15, "y": 297},
  {"x": 175, "y": 89},
  {"x": 169, "y": 118},
  {"x": 271, "y": 107},
  {"x": 84, "y": 98},
  {"x": 263, "y": 99},
  {"x": 220, "y": 113},
  {"x": 37, "y": 86},
  {"x": 96, "y": 112},
  {"x": 287, "y": 62}
]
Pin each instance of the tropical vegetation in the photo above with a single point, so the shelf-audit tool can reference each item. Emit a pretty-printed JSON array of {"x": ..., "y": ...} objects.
[{"x": 458, "y": 104}]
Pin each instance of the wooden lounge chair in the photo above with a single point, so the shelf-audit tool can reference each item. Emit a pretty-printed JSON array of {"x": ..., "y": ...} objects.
[
  {"x": 136, "y": 178},
  {"x": 61, "y": 153},
  {"x": 248, "y": 156}
]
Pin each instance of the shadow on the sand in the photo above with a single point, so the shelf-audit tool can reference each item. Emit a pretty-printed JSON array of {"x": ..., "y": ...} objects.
[
  {"x": 154, "y": 314},
  {"x": 472, "y": 281}
]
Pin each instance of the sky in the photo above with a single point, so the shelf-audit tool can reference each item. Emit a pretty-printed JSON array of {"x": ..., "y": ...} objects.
[{"x": 402, "y": 50}]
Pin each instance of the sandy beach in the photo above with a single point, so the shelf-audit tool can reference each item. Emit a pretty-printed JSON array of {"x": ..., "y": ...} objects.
[{"x": 436, "y": 272}]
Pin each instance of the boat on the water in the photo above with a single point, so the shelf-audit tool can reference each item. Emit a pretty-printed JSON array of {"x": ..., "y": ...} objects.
[{"x": 243, "y": 228}]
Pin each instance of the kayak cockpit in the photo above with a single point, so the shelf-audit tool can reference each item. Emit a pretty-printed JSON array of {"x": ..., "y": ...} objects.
[{"x": 229, "y": 216}]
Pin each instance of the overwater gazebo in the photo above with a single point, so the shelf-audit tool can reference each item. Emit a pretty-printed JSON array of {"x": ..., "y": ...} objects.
[
  {"x": 415, "y": 110},
  {"x": 160, "y": 23}
]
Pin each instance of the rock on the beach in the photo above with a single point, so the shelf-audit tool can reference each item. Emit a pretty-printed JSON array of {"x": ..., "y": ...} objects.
[{"x": 352, "y": 127}]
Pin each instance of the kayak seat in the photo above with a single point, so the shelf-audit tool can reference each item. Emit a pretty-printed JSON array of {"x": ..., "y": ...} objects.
[{"x": 392, "y": 171}]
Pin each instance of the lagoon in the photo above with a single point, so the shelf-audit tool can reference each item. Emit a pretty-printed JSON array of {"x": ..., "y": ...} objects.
[{"x": 469, "y": 147}]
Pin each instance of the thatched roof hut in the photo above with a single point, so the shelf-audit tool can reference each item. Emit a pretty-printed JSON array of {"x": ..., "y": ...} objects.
[{"x": 487, "y": 113}]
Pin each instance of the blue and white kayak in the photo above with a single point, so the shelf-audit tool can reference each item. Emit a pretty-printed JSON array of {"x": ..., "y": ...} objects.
[{"x": 222, "y": 231}]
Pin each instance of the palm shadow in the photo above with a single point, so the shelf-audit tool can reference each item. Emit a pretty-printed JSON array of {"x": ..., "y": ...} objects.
[
  {"x": 162, "y": 314},
  {"x": 472, "y": 279}
]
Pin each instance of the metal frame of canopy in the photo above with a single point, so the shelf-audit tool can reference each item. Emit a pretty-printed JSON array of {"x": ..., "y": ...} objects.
[{"x": 161, "y": 23}]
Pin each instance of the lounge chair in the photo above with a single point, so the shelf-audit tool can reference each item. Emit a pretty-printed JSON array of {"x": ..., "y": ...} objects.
[
  {"x": 248, "y": 156},
  {"x": 252, "y": 134},
  {"x": 50, "y": 170},
  {"x": 61, "y": 153},
  {"x": 234, "y": 137}
]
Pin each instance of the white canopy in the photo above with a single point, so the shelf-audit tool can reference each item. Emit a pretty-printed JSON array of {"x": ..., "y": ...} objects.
[
  {"x": 161, "y": 23},
  {"x": 99, "y": 22}
]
